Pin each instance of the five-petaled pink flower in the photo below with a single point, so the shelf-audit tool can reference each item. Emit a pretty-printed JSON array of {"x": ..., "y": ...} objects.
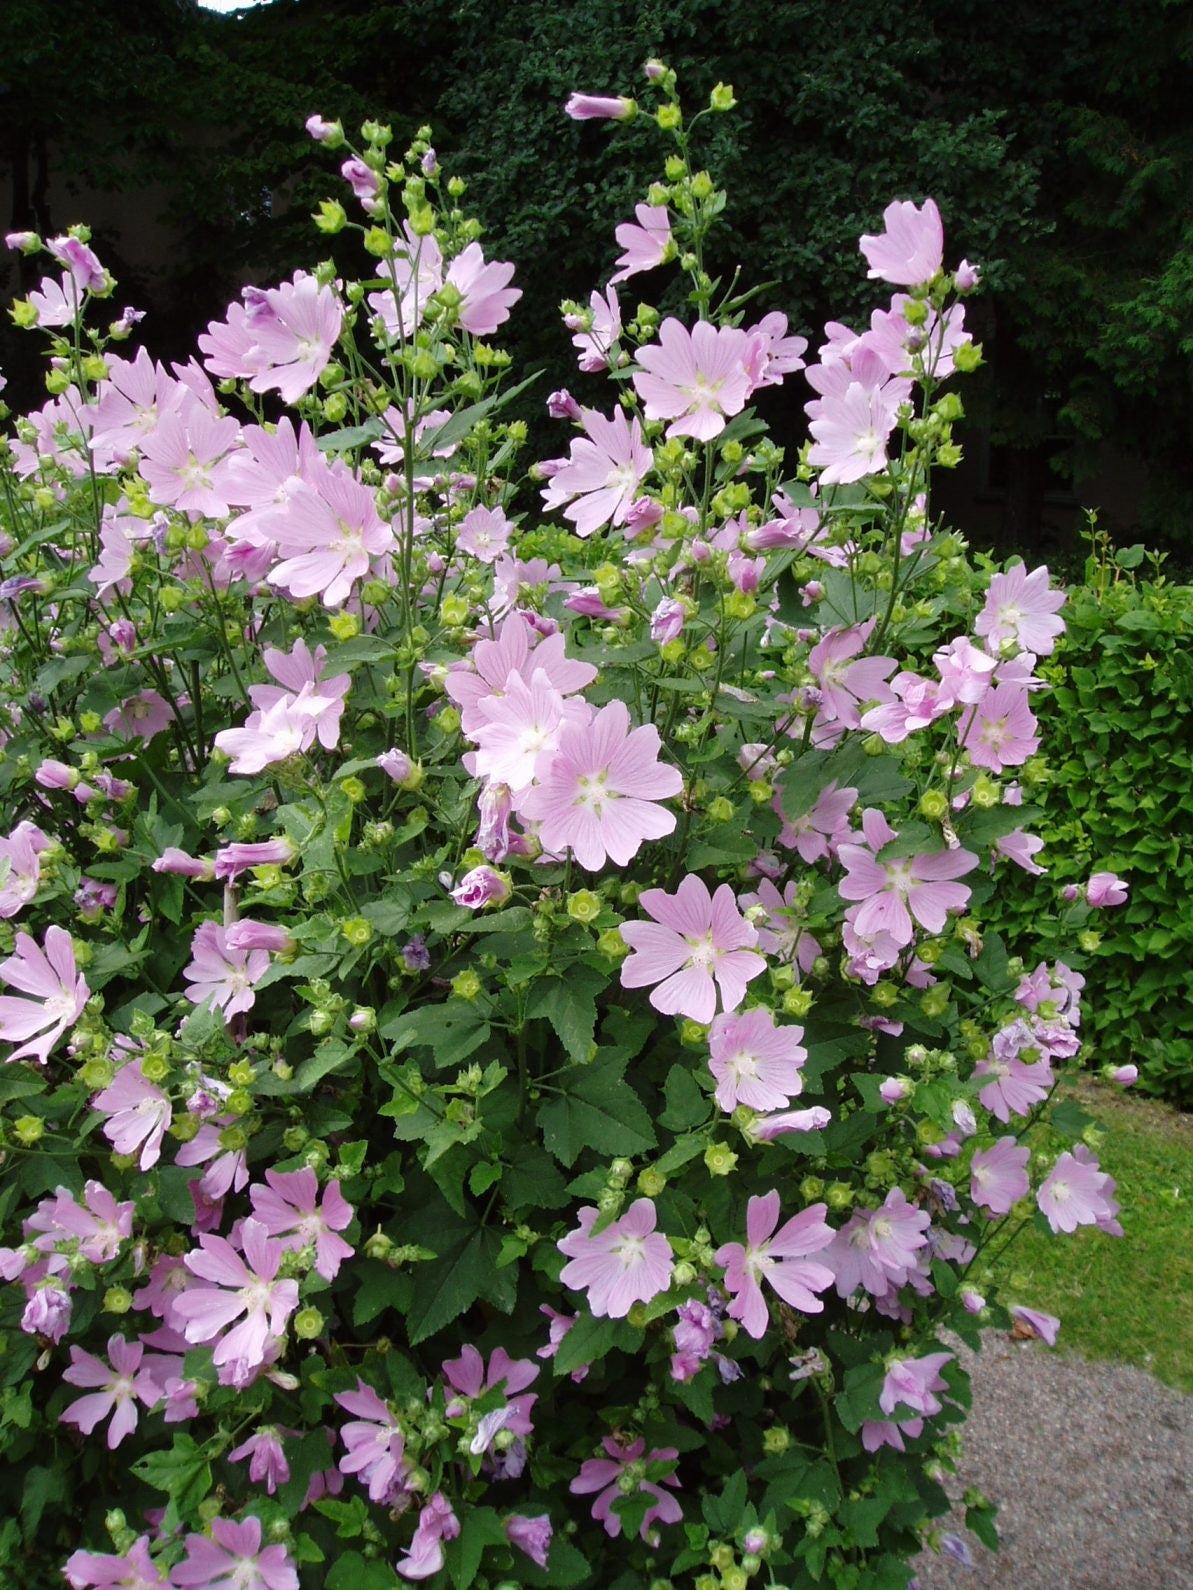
[
  {"x": 232, "y": 1559},
  {"x": 133, "y": 1569},
  {"x": 910, "y": 249},
  {"x": 288, "y": 1208},
  {"x": 697, "y": 943},
  {"x": 780, "y": 1257},
  {"x": 608, "y": 1475},
  {"x": 890, "y": 893},
  {"x": 696, "y": 379},
  {"x": 245, "y": 1285},
  {"x": 1077, "y": 1192},
  {"x": 596, "y": 793},
  {"x": 57, "y": 989},
  {"x": 998, "y": 1175},
  {"x": 221, "y": 976},
  {"x": 118, "y": 1389},
  {"x": 628, "y": 1262},
  {"x": 755, "y": 1062},
  {"x": 375, "y": 1441}
]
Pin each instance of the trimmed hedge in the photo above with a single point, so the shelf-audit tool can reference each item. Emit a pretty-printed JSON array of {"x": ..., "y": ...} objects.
[{"x": 1120, "y": 797}]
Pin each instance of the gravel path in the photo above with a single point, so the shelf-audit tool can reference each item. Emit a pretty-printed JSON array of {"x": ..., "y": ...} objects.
[{"x": 1092, "y": 1468}]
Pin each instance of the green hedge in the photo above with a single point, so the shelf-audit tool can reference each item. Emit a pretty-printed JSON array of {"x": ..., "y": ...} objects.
[{"x": 1119, "y": 736}]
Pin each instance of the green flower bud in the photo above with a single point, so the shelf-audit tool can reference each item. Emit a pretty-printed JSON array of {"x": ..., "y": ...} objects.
[
  {"x": 466, "y": 985},
  {"x": 117, "y": 1300},
  {"x": 584, "y": 905},
  {"x": 719, "y": 1159},
  {"x": 651, "y": 1182}
]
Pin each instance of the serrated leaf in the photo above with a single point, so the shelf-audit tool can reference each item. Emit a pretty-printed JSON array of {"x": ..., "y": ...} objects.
[
  {"x": 569, "y": 1004},
  {"x": 597, "y": 1110},
  {"x": 465, "y": 1270},
  {"x": 590, "y": 1339},
  {"x": 479, "y": 1527}
]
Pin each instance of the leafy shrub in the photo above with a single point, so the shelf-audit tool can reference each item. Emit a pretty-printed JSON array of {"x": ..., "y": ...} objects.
[
  {"x": 1120, "y": 795},
  {"x": 430, "y": 890}
]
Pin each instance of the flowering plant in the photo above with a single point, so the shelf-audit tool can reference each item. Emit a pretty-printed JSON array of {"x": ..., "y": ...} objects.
[{"x": 506, "y": 1075}]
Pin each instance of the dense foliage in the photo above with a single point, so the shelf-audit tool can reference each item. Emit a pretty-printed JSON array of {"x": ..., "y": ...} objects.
[
  {"x": 505, "y": 1078},
  {"x": 1071, "y": 182},
  {"x": 1121, "y": 789}
]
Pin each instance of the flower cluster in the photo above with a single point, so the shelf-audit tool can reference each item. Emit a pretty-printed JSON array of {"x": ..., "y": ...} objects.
[{"x": 504, "y": 1025}]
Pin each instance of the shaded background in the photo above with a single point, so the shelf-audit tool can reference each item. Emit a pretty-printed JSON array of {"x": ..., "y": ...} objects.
[{"x": 1057, "y": 139}]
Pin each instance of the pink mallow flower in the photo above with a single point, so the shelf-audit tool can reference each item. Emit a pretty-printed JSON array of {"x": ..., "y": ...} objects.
[
  {"x": 245, "y": 1285},
  {"x": 910, "y": 249},
  {"x": 598, "y": 107},
  {"x": 267, "y": 1460},
  {"x": 622, "y": 1473},
  {"x": 1021, "y": 607},
  {"x": 57, "y": 989},
  {"x": 1104, "y": 888},
  {"x": 101, "y": 1570},
  {"x": 645, "y": 245},
  {"x": 911, "y": 1385},
  {"x": 486, "y": 297},
  {"x": 892, "y": 893},
  {"x": 755, "y": 1062},
  {"x": 375, "y": 1442},
  {"x": 220, "y": 976},
  {"x": 698, "y": 942},
  {"x": 1077, "y": 1193},
  {"x": 424, "y": 1555},
  {"x": 22, "y": 850},
  {"x": 597, "y": 791},
  {"x": 288, "y": 1208},
  {"x": 598, "y": 484},
  {"x": 778, "y": 1256},
  {"x": 998, "y": 1175},
  {"x": 531, "y": 1535},
  {"x": 232, "y": 1559},
  {"x": 327, "y": 538},
  {"x": 628, "y": 1262},
  {"x": 696, "y": 379},
  {"x": 119, "y": 1389},
  {"x": 480, "y": 887},
  {"x": 469, "y": 1379}
]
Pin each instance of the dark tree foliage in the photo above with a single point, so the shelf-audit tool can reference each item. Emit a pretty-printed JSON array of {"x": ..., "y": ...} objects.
[{"x": 1057, "y": 139}]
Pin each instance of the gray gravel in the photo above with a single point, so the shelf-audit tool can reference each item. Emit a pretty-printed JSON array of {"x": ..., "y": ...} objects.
[{"x": 1092, "y": 1468}]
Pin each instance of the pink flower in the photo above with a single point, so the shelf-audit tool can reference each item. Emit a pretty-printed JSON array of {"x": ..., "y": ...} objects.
[
  {"x": 424, "y": 1556},
  {"x": 608, "y": 1475},
  {"x": 892, "y": 893},
  {"x": 375, "y": 1442},
  {"x": 910, "y": 249},
  {"x": 1021, "y": 848},
  {"x": 484, "y": 534},
  {"x": 599, "y": 483},
  {"x": 120, "y": 1388},
  {"x": 629, "y": 1262},
  {"x": 696, "y": 379},
  {"x": 780, "y": 1257},
  {"x": 288, "y": 1207},
  {"x": 1077, "y": 1193},
  {"x": 139, "y": 1114},
  {"x": 238, "y": 1287},
  {"x": 132, "y": 1570},
  {"x": 82, "y": 263},
  {"x": 850, "y": 431},
  {"x": 696, "y": 944},
  {"x": 220, "y": 977},
  {"x": 1031, "y": 1322},
  {"x": 847, "y": 679},
  {"x": 495, "y": 661},
  {"x": 531, "y": 1535},
  {"x": 57, "y": 988},
  {"x": 1104, "y": 888},
  {"x": 21, "y": 850},
  {"x": 294, "y": 327},
  {"x": 481, "y": 887},
  {"x": 596, "y": 339},
  {"x": 755, "y": 1062},
  {"x": 912, "y": 1384},
  {"x": 267, "y": 1461},
  {"x": 1021, "y": 608},
  {"x": 328, "y": 537},
  {"x": 364, "y": 182},
  {"x": 643, "y": 246},
  {"x": 596, "y": 793},
  {"x": 182, "y": 460},
  {"x": 896, "y": 1232},
  {"x": 998, "y": 1176},
  {"x": 592, "y": 107},
  {"x": 232, "y": 1559},
  {"x": 486, "y": 297},
  {"x": 817, "y": 833},
  {"x": 468, "y": 1378},
  {"x": 1000, "y": 731},
  {"x": 99, "y": 1223}
]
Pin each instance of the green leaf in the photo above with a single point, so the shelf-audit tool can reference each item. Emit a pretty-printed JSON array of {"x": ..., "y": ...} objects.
[
  {"x": 687, "y": 1106},
  {"x": 590, "y": 1339},
  {"x": 598, "y": 1110},
  {"x": 479, "y": 1527},
  {"x": 182, "y": 1473},
  {"x": 351, "y": 1571},
  {"x": 534, "y": 1181},
  {"x": 1069, "y": 1119},
  {"x": 723, "y": 1513},
  {"x": 565, "y": 1568},
  {"x": 451, "y": 1030},
  {"x": 465, "y": 1270},
  {"x": 569, "y": 1004},
  {"x": 351, "y": 436}
]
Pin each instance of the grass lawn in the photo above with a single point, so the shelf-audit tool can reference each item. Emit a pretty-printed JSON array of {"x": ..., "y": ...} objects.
[{"x": 1128, "y": 1299}]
